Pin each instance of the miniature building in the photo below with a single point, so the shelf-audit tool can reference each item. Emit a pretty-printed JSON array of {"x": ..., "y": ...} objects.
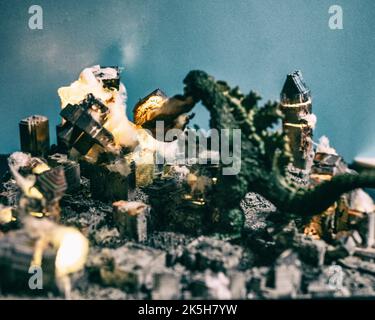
[
  {"x": 327, "y": 165},
  {"x": 71, "y": 168},
  {"x": 34, "y": 135},
  {"x": 41, "y": 188},
  {"x": 142, "y": 168},
  {"x": 106, "y": 182},
  {"x": 82, "y": 130},
  {"x": 174, "y": 209},
  {"x": 350, "y": 211},
  {"x": 287, "y": 274},
  {"x": 166, "y": 285},
  {"x": 258, "y": 280},
  {"x": 237, "y": 285},
  {"x": 207, "y": 253},
  {"x": 311, "y": 251},
  {"x": 180, "y": 199},
  {"x": 131, "y": 219},
  {"x": 210, "y": 285},
  {"x": 298, "y": 120},
  {"x": 52, "y": 183},
  {"x": 130, "y": 266}
]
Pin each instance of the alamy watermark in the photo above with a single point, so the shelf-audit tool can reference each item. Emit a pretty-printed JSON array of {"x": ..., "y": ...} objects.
[
  {"x": 36, "y": 280},
  {"x": 36, "y": 18},
  {"x": 335, "y": 21},
  {"x": 187, "y": 147}
]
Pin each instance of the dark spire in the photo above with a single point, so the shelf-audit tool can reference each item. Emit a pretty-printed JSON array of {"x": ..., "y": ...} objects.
[{"x": 294, "y": 89}]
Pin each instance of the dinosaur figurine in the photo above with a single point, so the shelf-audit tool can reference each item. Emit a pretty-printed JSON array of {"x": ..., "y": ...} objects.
[{"x": 265, "y": 154}]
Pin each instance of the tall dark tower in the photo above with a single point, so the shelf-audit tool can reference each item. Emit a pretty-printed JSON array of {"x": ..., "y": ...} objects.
[
  {"x": 298, "y": 120},
  {"x": 34, "y": 135}
]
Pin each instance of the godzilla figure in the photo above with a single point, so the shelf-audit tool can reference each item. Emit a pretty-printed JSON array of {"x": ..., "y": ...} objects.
[{"x": 265, "y": 154}]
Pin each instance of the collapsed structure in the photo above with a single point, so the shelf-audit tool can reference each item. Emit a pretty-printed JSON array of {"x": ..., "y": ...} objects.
[{"x": 177, "y": 230}]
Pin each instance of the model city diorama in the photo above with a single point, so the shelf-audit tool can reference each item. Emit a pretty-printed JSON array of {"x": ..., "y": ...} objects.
[{"x": 104, "y": 219}]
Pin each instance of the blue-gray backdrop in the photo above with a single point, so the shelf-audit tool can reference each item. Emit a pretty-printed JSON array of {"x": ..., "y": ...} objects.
[{"x": 250, "y": 43}]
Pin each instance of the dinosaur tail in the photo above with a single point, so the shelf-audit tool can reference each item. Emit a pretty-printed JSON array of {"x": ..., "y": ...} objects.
[{"x": 313, "y": 201}]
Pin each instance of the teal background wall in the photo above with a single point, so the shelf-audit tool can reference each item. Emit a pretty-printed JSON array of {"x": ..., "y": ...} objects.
[{"x": 250, "y": 43}]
